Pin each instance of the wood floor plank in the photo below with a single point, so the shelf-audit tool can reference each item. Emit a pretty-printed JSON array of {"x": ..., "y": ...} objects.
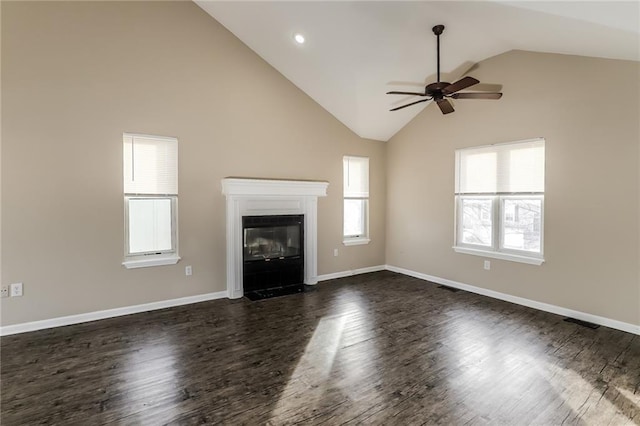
[{"x": 379, "y": 348}]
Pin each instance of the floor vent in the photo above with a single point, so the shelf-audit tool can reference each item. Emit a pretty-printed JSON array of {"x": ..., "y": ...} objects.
[
  {"x": 582, "y": 323},
  {"x": 451, "y": 289}
]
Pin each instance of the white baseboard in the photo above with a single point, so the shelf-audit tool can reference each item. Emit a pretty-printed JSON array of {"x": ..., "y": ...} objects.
[
  {"x": 127, "y": 310},
  {"x": 358, "y": 271},
  {"x": 559, "y": 310},
  {"x": 108, "y": 313}
]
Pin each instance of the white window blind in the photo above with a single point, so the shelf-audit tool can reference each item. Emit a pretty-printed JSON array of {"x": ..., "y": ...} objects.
[
  {"x": 150, "y": 225},
  {"x": 356, "y": 177},
  {"x": 501, "y": 169},
  {"x": 150, "y": 165}
]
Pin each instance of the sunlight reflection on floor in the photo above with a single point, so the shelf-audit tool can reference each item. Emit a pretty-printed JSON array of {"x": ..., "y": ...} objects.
[
  {"x": 492, "y": 369},
  {"x": 306, "y": 385},
  {"x": 335, "y": 337},
  {"x": 579, "y": 393},
  {"x": 634, "y": 398},
  {"x": 150, "y": 376}
]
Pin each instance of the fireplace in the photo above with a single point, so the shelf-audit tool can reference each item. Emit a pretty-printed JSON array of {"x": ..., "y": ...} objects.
[
  {"x": 270, "y": 197},
  {"x": 273, "y": 255}
]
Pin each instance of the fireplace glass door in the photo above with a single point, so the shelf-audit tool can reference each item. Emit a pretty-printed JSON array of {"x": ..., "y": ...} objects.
[
  {"x": 273, "y": 254},
  {"x": 274, "y": 242}
]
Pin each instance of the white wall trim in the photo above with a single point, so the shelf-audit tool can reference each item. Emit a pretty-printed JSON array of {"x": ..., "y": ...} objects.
[
  {"x": 127, "y": 310},
  {"x": 358, "y": 271},
  {"x": 559, "y": 310},
  {"x": 108, "y": 313},
  {"x": 284, "y": 187}
]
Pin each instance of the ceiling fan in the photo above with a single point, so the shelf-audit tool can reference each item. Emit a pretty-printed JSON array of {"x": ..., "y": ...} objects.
[{"x": 441, "y": 90}]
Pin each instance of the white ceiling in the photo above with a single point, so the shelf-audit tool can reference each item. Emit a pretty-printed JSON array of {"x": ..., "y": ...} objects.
[{"x": 356, "y": 50}]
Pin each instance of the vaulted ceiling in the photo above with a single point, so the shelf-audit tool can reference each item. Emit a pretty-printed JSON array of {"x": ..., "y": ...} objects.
[{"x": 355, "y": 51}]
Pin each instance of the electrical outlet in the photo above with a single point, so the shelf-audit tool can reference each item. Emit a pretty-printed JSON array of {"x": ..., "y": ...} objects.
[
  {"x": 335, "y": 252},
  {"x": 188, "y": 271},
  {"x": 4, "y": 291},
  {"x": 16, "y": 289},
  {"x": 487, "y": 265}
]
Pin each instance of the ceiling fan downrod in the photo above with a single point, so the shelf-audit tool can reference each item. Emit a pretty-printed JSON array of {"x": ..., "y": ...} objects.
[{"x": 437, "y": 30}]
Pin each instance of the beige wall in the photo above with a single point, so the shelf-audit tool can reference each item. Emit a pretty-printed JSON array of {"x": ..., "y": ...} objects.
[
  {"x": 592, "y": 181},
  {"x": 75, "y": 76}
]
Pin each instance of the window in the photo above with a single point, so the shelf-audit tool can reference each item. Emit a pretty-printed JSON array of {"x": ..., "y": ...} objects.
[
  {"x": 500, "y": 201},
  {"x": 356, "y": 200},
  {"x": 150, "y": 200}
]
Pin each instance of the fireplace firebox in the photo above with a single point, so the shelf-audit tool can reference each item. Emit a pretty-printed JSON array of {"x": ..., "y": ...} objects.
[{"x": 273, "y": 255}]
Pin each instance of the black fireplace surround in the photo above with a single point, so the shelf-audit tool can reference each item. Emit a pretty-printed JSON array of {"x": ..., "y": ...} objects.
[{"x": 273, "y": 255}]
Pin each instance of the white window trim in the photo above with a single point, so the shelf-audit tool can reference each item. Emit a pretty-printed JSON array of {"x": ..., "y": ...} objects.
[
  {"x": 166, "y": 257},
  {"x": 174, "y": 224},
  {"x": 496, "y": 251},
  {"x": 499, "y": 255},
  {"x": 356, "y": 241},
  {"x": 500, "y": 242},
  {"x": 459, "y": 219},
  {"x": 133, "y": 262}
]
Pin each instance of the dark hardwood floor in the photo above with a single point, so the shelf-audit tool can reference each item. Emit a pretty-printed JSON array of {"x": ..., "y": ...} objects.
[{"x": 378, "y": 348}]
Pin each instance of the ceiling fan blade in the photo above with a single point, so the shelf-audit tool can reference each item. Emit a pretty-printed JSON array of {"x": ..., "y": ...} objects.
[
  {"x": 445, "y": 106},
  {"x": 406, "y": 93},
  {"x": 461, "y": 84},
  {"x": 412, "y": 103},
  {"x": 476, "y": 95}
]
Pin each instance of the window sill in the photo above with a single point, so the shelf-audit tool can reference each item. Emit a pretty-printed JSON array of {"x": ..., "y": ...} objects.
[
  {"x": 153, "y": 261},
  {"x": 356, "y": 241},
  {"x": 498, "y": 255}
]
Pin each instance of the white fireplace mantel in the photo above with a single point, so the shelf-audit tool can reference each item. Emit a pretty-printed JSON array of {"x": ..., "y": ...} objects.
[{"x": 256, "y": 197}]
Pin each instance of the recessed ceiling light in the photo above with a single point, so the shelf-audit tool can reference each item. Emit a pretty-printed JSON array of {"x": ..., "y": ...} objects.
[{"x": 299, "y": 38}]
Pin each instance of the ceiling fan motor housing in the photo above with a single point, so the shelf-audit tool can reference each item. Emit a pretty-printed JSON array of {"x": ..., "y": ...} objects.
[{"x": 435, "y": 89}]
